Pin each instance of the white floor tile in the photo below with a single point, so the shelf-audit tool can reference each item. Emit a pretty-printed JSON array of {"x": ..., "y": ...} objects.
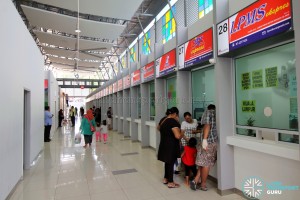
[{"x": 66, "y": 171}]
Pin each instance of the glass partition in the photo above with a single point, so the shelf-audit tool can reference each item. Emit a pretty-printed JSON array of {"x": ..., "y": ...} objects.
[{"x": 171, "y": 92}]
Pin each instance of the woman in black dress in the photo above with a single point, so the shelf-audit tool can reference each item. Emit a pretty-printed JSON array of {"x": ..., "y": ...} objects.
[{"x": 169, "y": 148}]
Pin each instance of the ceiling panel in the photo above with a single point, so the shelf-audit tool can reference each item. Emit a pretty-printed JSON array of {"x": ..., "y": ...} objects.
[
  {"x": 67, "y": 24},
  {"x": 107, "y": 8},
  {"x": 68, "y": 42},
  {"x": 71, "y": 54},
  {"x": 72, "y": 62}
]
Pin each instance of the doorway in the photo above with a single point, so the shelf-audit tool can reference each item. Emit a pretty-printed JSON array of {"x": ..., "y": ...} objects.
[{"x": 26, "y": 130}]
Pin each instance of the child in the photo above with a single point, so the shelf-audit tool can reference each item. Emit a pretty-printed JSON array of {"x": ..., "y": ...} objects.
[
  {"x": 188, "y": 157},
  {"x": 104, "y": 131},
  {"x": 98, "y": 134}
]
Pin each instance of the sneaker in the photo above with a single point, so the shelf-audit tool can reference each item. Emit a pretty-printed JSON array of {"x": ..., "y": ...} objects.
[{"x": 193, "y": 185}]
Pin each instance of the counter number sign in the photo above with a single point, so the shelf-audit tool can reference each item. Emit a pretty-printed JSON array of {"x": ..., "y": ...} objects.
[{"x": 223, "y": 37}]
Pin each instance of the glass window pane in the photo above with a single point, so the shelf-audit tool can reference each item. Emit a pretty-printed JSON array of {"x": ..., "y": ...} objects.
[
  {"x": 288, "y": 138},
  {"x": 266, "y": 89},
  {"x": 203, "y": 88},
  {"x": 171, "y": 92},
  {"x": 139, "y": 105}
]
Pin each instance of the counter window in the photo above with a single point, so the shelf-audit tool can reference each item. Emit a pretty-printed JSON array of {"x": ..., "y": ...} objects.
[
  {"x": 152, "y": 101},
  {"x": 171, "y": 92},
  {"x": 266, "y": 92},
  {"x": 203, "y": 90}
]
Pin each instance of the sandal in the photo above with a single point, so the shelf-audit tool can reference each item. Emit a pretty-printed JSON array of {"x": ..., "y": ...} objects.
[
  {"x": 193, "y": 185},
  {"x": 165, "y": 181},
  {"x": 203, "y": 188},
  {"x": 173, "y": 185}
]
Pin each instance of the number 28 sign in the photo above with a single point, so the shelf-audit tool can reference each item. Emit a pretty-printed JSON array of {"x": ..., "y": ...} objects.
[{"x": 260, "y": 20}]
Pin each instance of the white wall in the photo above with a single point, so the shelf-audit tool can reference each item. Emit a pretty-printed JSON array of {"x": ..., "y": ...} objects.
[
  {"x": 269, "y": 168},
  {"x": 22, "y": 68},
  {"x": 53, "y": 95}
]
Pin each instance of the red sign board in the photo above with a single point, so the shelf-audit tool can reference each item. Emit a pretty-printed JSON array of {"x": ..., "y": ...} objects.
[
  {"x": 136, "y": 77},
  {"x": 126, "y": 82},
  {"x": 260, "y": 20},
  {"x": 147, "y": 72},
  {"x": 166, "y": 64},
  {"x": 197, "y": 50},
  {"x": 120, "y": 84}
]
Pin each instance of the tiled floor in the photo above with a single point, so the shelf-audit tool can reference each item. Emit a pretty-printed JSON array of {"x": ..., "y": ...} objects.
[{"x": 67, "y": 171}]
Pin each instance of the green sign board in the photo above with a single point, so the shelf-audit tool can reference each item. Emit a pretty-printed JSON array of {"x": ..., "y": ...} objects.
[
  {"x": 257, "y": 79},
  {"x": 248, "y": 106},
  {"x": 246, "y": 81},
  {"x": 271, "y": 77}
]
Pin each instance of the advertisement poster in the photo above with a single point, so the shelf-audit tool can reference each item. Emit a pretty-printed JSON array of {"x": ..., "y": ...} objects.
[
  {"x": 46, "y": 91},
  {"x": 120, "y": 84},
  {"x": 293, "y": 84},
  {"x": 271, "y": 77},
  {"x": 257, "y": 79},
  {"x": 260, "y": 20},
  {"x": 246, "y": 81},
  {"x": 147, "y": 72},
  {"x": 197, "y": 50},
  {"x": 136, "y": 77},
  {"x": 166, "y": 64},
  {"x": 115, "y": 87},
  {"x": 126, "y": 82},
  {"x": 110, "y": 89},
  {"x": 248, "y": 106}
]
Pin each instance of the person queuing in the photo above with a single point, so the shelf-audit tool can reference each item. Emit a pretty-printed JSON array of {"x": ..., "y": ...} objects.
[
  {"x": 207, "y": 151},
  {"x": 108, "y": 120},
  {"x": 60, "y": 117},
  {"x": 72, "y": 115},
  {"x": 169, "y": 147},
  {"x": 81, "y": 111},
  {"x": 48, "y": 123}
]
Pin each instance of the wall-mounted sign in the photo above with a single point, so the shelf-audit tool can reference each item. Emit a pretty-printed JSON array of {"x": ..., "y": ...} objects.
[
  {"x": 166, "y": 64},
  {"x": 248, "y": 106},
  {"x": 260, "y": 20},
  {"x": 147, "y": 72},
  {"x": 120, "y": 84},
  {"x": 197, "y": 50},
  {"x": 136, "y": 77},
  {"x": 115, "y": 87},
  {"x": 126, "y": 82}
]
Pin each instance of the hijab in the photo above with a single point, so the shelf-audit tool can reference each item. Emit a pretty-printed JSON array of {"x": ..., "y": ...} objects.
[{"x": 89, "y": 115}]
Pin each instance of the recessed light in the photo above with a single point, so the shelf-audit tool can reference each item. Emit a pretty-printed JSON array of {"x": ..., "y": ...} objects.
[{"x": 77, "y": 31}]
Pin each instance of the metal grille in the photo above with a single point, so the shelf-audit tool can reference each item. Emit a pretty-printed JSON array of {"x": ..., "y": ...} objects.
[
  {"x": 192, "y": 11},
  {"x": 158, "y": 30},
  {"x": 179, "y": 15}
]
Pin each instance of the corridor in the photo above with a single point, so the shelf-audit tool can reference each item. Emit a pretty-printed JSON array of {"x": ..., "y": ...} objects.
[{"x": 118, "y": 170}]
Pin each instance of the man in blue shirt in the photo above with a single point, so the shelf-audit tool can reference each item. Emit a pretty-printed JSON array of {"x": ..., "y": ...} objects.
[{"x": 48, "y": 124}]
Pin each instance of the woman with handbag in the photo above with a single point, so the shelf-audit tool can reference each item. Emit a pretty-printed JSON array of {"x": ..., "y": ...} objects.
[
  {"x": 169, "y": 148},
  {"x": 87, "y": 127}
]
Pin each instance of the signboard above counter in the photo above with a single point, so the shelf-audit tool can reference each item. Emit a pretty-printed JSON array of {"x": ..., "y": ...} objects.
[
  {"x": 197, "y": 50},
  {"x": 260, "y": 20},
  {"x": 166, "y": 64},
  {"x": 147, "y": 72}
]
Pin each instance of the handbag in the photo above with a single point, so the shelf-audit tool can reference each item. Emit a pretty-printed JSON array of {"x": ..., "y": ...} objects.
[
  {"x": 78, "y": 138},
  {"x": 91, "y": 126}
]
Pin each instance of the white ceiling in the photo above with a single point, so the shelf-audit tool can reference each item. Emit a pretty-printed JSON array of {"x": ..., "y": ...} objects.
[
  {"x": 120, "y": 9},
  {"x": 71, "y": 54},
  {"x": 72, "y": 62},
  {"x": 67, "y": 24},
  {"x": 70, "y": 43}
]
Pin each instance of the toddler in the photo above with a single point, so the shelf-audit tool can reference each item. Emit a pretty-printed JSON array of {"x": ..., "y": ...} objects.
[
  {"x": 104, "y": 131},
  {"x": 98, "y": 133},
  {"x": 188, "y": 157}
]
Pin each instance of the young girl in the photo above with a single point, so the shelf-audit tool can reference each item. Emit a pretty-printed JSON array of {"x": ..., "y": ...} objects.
[
  {"x": 104, "y": 131},
  {"x": 98, "y": 134},
  {"x": 188, "y": 157}
]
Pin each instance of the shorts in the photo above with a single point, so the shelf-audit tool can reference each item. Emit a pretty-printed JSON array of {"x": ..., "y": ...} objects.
[{"x": 208, "y": 157}]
